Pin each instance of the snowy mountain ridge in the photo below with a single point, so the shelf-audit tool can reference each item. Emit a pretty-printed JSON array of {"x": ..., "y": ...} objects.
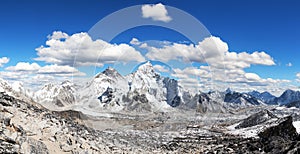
[
  {"x": 144, "y": 90},
  {"x": 141, "y": 91}
]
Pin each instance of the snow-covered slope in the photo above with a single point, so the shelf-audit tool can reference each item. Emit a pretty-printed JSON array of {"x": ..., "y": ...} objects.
[
  {"x": 104, "y": 91},
  {"x": 16, "y": 90},
  {"x": 54, "y": 96},
  {"x": 141, "y": 91},
  {"x": 155, "y": 87},
  {"x": 18, "y": 87},
  {"x": 4, "y": 86}
]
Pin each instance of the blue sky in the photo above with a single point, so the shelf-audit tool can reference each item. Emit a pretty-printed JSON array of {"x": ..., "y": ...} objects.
[{"x": 269, "y": 26}]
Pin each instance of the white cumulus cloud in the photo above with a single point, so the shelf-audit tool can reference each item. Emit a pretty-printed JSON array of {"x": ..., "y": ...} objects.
[
  {"x": 80, "y": 50},
  {"x": 135, "y": 41},
  {"x": 156, "y": 12},
  {"x": 36, "y": 69},
  {"x": 3, "y": 61},
  {"x": 211, "y": 50},
  {"x": 60, "y": 70},
  {"x": 161, "y": 68},
  {"x": 224, "y": 68},
  {"x": 24, "y": 66}
]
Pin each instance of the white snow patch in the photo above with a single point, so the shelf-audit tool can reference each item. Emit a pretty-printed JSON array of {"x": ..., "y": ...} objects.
[
  {"x": 245, "y": 132},
  {"x": 297, "y": 126}
]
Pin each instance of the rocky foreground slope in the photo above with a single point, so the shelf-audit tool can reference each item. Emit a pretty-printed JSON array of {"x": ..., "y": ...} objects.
[{"x": 27, "y": 127}]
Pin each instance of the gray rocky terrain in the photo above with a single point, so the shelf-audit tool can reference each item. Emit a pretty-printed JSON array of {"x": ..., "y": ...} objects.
[{"x": 27, "y": 127}]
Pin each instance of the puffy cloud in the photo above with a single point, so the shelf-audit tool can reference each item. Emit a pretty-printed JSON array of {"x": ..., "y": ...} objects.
[
  {"x": 57, "y": 35},
  {"x": 191, "y": 71},
  {"x": 12, "y": 75},
  {"x": 156, "y": 12},
  {"x": 192, "y": 78},
  {"x": 135, "y": 41},
  {"x": 60, "y": 70},
  {"x": 161, "y": 68},
  {"x": 172, "y": 52},
  {"x": 211, "y": 50},
  {"x": 24, "y": 66},
  {"x": 43, "y": 78},
  {"x": 3, "y": 61},
  {"x": 252, "y": 77},
  {"x": 35, "y": 69},
  {"x": 80, "y": 50},
  {"x": 224, "y": 66}
]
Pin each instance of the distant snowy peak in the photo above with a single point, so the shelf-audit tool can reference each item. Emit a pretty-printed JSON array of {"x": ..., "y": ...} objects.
[
  {"x": 266, "y": 97},
  {"x": 289, "y": 96},
  {"x": 145, "y": 78},
  {"x": 241, "y": 99},
  {"x": 145, "y": 90},
  {"x": 146, "y": 69},
  {"x": 109, "y": 72},
  {"x": 53, "y": 96},
  {"x": 4, "y": 86},
  {"x": 13, "y": 89},
  {"x": 16, "y": 90}
]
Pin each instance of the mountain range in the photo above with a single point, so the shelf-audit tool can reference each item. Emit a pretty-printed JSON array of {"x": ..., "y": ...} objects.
[{"x": 144, "y": 91}]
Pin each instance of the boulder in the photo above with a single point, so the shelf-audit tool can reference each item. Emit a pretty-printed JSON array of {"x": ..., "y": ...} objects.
[{"x": 284, "y": 129}]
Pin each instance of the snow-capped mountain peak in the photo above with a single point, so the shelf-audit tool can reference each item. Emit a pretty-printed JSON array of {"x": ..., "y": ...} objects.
[
  {"x": 146, "y": 68},
  {"x": 110, "y": 72},
  {"x": 53, "y": 96}
]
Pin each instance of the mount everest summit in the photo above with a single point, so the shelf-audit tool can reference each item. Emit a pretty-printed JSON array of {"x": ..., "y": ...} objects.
[
  {"x": 145, "y": 111},
  {"x": 144, "y": 91}
]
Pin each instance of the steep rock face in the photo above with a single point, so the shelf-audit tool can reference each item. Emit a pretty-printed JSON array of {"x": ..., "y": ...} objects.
[
  {"x": 280, "y": 138},
  {"x": 107, "y": 96},
  {"x": 173, "y": 98},
  {"x": 138, "y": 103},
  {"x": 256, "y": 119},
  {"x": 284, "y": 129},
  {"x": 209, "y": 102},
  {"x": 5, "y": 99}
]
